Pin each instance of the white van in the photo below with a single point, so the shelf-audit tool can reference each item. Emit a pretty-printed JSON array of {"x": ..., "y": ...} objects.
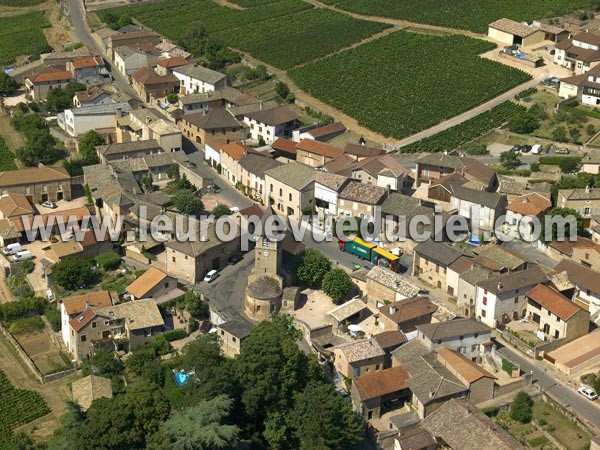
[
  {"x": 536, "y": 149},
  {"x": 11, "y": 249},
  {"x": 210, "y": 276},
  {"x": 22, "y": 256}
]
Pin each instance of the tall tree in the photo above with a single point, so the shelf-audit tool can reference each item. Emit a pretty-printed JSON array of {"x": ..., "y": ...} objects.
[
  {"x": 204, "y": 427},
  {"x": 87, "y": 147},
  {"x": 187, "y": 202},
  {"x": 337, "y": 284},
  {"x": 311, "y": 267}
]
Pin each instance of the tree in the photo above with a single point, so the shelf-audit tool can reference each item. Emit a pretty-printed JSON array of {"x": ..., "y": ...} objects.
[
  {"x": 337, "y": 284},
  {"x": 73, "y": 273},
  {"x": 322, "y": 419},
  {"x": 172, "y": 98},
  {"x": 124, "y": 20},
  {"x": 104, "y": 362},
  {"x": 560, "y": 134},
  {"x": 87, "y": 147},
  {"x": 575, "y": 134},
  {"x": 312, "y": 266},
  {"x": 147, "y": 182},
  {"x": 204, "y": 427},
  {"x": 195, "y": 38},
  {"x": 7, "y": 84},
  {"x": 521, "y": 408},
  {"x": 562, "y": 212},
  {"x": 60, "y": 99},
  {"x": 590, "y": 129},
  {"x": 187, "y": 202},
  {"x": 193, "y": 304},
  {"x": 509, "y": 159},
  {"x": 282, "y": 90},
  {"x": 221, "y": 210},
  {"x": 523, "y": 123},
  {"x": 568, "y": 165}
]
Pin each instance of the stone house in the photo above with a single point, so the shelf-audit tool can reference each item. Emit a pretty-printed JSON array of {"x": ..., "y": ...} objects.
[
  {"x": 144, "y": 125},
  {"x": 556, "y": 315},
  {"x": 316, "y": 154},
  {"x": 290, "y": 188},
  {"x": 374, "y": 394},
  {"x": 360, "y": 200},
  {"x": 585, "y": 201},
  {"x": 91, "y": 97},
  {"x": 216, "y": 123},
  {"x": 87, "y": 70},
  {"x": 38, "y": 184},
  {"x": 195, "y": 78},
  {"x": 151, "y": 86},
  {"x": 327, "y": 188},
  {"x": 357, "y": 358},
  {"x": 127, "y": 150},
  {"x": 39, "y": 84},
  {"x": 231, "y": 336},
  {"x": 126, "y": 39},
  {"x": 584, "y": 286},
  {"x": 165, "y": 66},
  {"x": 386, "y": 286},
  {"x": 434, "y": 166},
  {"x": 251, "y": 174},
  {"x": 269, "y": 124},
  {"x": 155, "y": 284},
  {"x": 406, "y": 314},
  {"x": 526, "y": 207},
  {"x": 481, "y": 208},
  {"x": 431, "y": 261}
]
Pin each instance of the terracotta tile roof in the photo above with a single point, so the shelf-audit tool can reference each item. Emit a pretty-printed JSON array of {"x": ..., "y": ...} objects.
[
  {"x": 13, "y": 205},
  {"x": 326, "y": 130},
  {"x": 83, "y": 62},
  {"x": 81, "y": 320},
  {"x": 566, "y": 247},
  {"x": 237, "y": 150},
  {"x": 461, "y": 265},
  {"x": 553, "y": 301},
  {"x": 363, "y": 150},
  {"x": 511, "y": 27},
  {"x": 77, "y": 303},
  {"x": 580, "y": 275},
  {"x": 91, "y": 94},
  {"x": 377, "y": 384},
  {"x": 390, "y": 339},
  {"x": 68, "y": 216},
  {"x": 284, "y": 145},
  {"x": 147, "y": 77},
  {"x": 319, "y": 148},
  {"x": 172, "y": 62},
  {"x": 331, "y": 180},
  {"x": 361, "y": 350},
  {"x": 146, "y": 282},
  {"x": 33, "y": 176},
  {"x": 575, "y": 79},
  {"x": 408, "y": 309},
  {"x": 463, "y": 366},
  {"x": 530, "y": 205},
  {"x": 89, "y": 388},
  {"x": 587, "y": 37},
  {"x": 52, "y": 76},
  {"x": 416, "y": 439}
]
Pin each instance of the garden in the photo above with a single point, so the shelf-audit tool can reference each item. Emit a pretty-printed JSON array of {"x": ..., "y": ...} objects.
[
  {"x": 474, "y": 15},
  {"x": 17, "y": 407},
  {"x": 403, "y": 83},
  {"x": 22, "y": 34}
]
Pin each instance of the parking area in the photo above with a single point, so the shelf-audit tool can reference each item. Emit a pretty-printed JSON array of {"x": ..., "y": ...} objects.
[{"x": 63, "y": 205}]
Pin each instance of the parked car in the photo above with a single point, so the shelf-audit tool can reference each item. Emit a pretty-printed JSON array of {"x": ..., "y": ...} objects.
[
  {"x": 526, "y": 149},
  {"x": 588, "y": 393},
  {"x": 517, "y": 148},
  {"x": 22, "y": 256},
  {"x": 536, "y": 149},
  {"x": 11, "y": 249},
  {"x": 211, "y": 276},
  {"x": 49, "y": 204},
  {"x": 562, "y": 151},
  {"x": 235, "y": 259}
]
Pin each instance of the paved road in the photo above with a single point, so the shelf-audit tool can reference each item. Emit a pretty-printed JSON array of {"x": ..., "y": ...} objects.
[
  {"x": 84, "y": 35},
  {"x": 589, "y": 412}
]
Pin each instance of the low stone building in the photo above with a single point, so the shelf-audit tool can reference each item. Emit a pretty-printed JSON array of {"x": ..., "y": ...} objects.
[
  {"x": 38, "y": 184},
  {"x": 405, "y": 314},
  {"x": 87, "y": 389},
  {"x": 376, "y": 393},
  {"x": 385, "y": 286},
  {"x": 231, "y": 335},
  {"x": 355, "y": 359}
]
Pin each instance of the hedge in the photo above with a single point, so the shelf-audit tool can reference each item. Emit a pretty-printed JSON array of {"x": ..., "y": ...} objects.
[
  {"x": 27, "y": 325},
  {"x": 175, "y": 334},
  {"x": 15, "y": 310},
  {"x": 555, "y": 160},
  {"x": 108, "y": 260}
]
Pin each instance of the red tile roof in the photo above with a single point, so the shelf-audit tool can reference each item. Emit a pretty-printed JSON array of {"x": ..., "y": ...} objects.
[
  {"x": 178, "y": 61},
  {"x": 553, "y": 301},
  {"x": 316, "y": 147},
  {"x": 82, "y": 62},
  {"x": 81, "y": 320},
  {"x": 237, "y": 151},
  {"x": 53, "y": 76},
  {"x": 530, "y": 204},
  {"x": 147, "y": 77},
  {"x": 377, "y": 384},
  {"x": 284, "y": 145}
]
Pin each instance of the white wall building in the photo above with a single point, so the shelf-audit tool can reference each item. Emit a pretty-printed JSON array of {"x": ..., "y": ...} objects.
[
  {"x": 195, "y": 78},
  {"x": 78, "y": 121}
]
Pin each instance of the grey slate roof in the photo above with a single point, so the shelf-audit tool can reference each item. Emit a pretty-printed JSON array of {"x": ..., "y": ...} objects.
[
  {"x": 110, "y": 108},
  {"x": 489, "y": 199},
  {"x": 213, "y": 119},
  {"x": 593, "y": 157},
  {"x": 294, "y": 174},
  {"x": 404, "y": 206},
  {"x": 237, "y": 328},
  {"x": 257, "y": 164},
  {"x": 128, "y": 147},
  {"x": 523, "y": 279},
  {"x": 475, "y": 275},
  {"x": 400, "y": 284},
  {"x": 200, "y": 73},
  {"x": 452, "y": 328},
  {"x": 438, "y": 252}
]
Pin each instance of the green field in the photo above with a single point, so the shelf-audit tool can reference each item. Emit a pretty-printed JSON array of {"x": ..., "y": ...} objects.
[
  {"x": 21, "y": 3},
  {"x": 406, "y": 82},
  {"x": 22, "y": 35},
  {"x": 283, "y": 33},
  {"x": 458, "y": 135},
  {"x": 472, "y": 15},
  {"x": 17, "y": 407}
]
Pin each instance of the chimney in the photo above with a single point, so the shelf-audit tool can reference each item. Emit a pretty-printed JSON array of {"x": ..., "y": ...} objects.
[
  {"x": 203, "y": 238},
  {"x": 499, "y": 285},
  {"x": 148, "y": 119},
  {"x": 119, "y": 112},
  {"x": 393, "y": 310},
  {"x": 588, "y": 189},
  {"x": 261, "y": 105},
  {"x": 431, "y": 394}
]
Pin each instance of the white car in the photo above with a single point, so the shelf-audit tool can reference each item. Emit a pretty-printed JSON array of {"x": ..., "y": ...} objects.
[
  {"x": 210, "y": 276},
  {"x": 588, "y": 393},
  {"x": 50, "y": 205}
]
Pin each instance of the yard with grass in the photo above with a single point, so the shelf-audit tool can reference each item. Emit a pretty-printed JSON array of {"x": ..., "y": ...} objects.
[{"x": 560, "y": 426}]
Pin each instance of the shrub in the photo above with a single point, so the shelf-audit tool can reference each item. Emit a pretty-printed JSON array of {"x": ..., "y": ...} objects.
[
  {"x": 535, "y": 167},
  {"x": 108, "y": 260},
  {"x": 14, "y": 310},
  {"x": 521, "y": 408},
  {"x": 53, "y": 316},
  {"x": 538, "y": 441},
  {"x": 175, "y": 334},
  {"x": 491, "y": 411}
]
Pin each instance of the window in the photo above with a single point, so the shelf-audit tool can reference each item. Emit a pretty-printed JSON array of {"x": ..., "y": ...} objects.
[
  {"x": 290, "y": 197},
  {"x": 474, "y": 348},
  {"x": 271, "y": 188},
  {"x": 484, "y": 301},
  {"x": 462, "y": 338},
  {"x": 376, "y": 366},
  {"x": 148, "y": 332},
  {"x": 166, "y": 285},
  {"x": 233, "y": 339},
  {"x": 483, "y": 313},
  {"x": 83, "y": 338},
  {"x": 173, "y": 259},
  {"x": 356, "y": 371},
  {"x": 94, "y": 324},
  {"x": 517, "y": 300},
  {"x": 439, "y": 341},
  {"x": 280, "y": 192},
  {"x": 222, "y": 333},
  {"x": 476, "y": 335}
]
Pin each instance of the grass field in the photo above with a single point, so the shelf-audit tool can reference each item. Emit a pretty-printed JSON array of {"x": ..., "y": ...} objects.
[
  {"x": 284, "y": 33},
  {"x": 404, "y": 82},
  {"x": 21, "y": 3},
  {"x": 474, "y": 15},
  {"x": 22, "y": 35}
]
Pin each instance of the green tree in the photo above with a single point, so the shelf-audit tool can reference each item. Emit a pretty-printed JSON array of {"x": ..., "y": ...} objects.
[
  {"x": 337, "y": 284},
  {"x": 204, "y": 427},
  {"x": 147, "y": 182},
  {"x": 73, "y": 273},
  {"x": 193, "y": 304},
  {"x": 323, "y": 420},
  {"x": 311, "y": 267},
  {"x": 60, "y": 99},
  {"x": 172, "y": 98},
  {"x": 521, "y": 408},
  {"x": 575, "y": 134},
  {"x": 220, "y": 210},
  {"x": 568, "y": 165},
  {"x": 124, "y": 20},
  {"x": 7, "y": 84},
  {"x": 509, "y": 159},
  {"x": 523, "y": 123},
  {"x": 282, "y": 90},
  {"x": 590, "y": 129},
  {"x": 195, "y": 39},
  {"x": 187, "y": 202},
  {"x": 104, "y": 362},
  {"x": 87, "y": 147},
  {"x": 559, "y": 134}
]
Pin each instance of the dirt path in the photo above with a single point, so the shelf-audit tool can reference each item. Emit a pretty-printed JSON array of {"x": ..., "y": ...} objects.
[
  {"x": 410, "y": 26},
  {"x": 55, "y": 393},
  {"x": 229, "y": 4},
  {"x": 5, "y": 294}
]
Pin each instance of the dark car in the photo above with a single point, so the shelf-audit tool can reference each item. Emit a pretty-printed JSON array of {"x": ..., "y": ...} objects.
[
  {"x": 235, "y": 259},
  {"x": 526, "y": 148},
  {"x": 517, "y": 147}
]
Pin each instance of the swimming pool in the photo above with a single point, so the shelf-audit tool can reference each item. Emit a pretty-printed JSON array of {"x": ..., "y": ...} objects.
[{"x": 181, "y": 377}]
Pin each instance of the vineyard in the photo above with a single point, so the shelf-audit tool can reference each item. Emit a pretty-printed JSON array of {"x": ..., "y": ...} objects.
[
  {"x": 403, "y": 83},
  {"x": 455, "y": 137},
  {"x": 17, "y": 407},
  {"x": 284, "y": 33},
  {"x": 22, "y": 35},
  {"x": 474, "y": 15}
]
